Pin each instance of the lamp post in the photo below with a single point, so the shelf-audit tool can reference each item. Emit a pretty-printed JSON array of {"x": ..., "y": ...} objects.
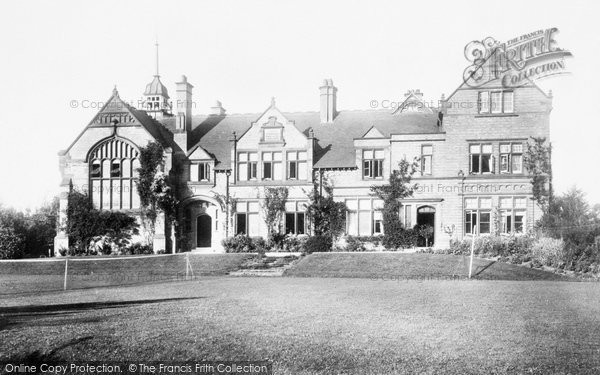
[
  {"x": 228, "y": 174},
  {"x": 461, "y": 175}
]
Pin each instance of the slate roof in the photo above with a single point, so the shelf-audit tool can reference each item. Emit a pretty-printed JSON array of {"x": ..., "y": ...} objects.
[{"x": 335, "y": 141}]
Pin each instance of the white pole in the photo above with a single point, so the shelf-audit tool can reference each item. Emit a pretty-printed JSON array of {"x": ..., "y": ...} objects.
[
  {"x": 66, "y": 271},
  {"x": 475, "y": 232},
  {"x": 187, "y": 265}
]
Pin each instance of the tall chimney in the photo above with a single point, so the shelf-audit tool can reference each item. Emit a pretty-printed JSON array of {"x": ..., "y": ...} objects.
[
  {"x": 183, "y": 103},
  {"x": 328, "y": 101}
]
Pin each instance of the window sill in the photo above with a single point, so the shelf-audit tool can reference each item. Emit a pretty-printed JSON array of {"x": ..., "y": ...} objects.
[{"x": 496, "y": 115}]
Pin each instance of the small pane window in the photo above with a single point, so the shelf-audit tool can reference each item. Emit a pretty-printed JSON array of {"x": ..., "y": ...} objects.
[
  {"x": 508, "y": 102},
  {"x": 496, "y": 101},
  {"x": 115, "y": 170},
  {"x": 96, "y": 169}
]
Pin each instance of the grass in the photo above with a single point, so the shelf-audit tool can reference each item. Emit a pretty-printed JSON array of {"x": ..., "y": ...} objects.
[
  {"x": 317, "y": 325},
  {"x": 87, "y": 272},
  {"x": 411, "y": 266}
]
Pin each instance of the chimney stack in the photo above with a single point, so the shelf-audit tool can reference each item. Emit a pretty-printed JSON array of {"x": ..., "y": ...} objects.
[
  {"x": 328, "y": 101},
  {"x": 183, "y": 104},
  {"x": 217, "y": 109}
]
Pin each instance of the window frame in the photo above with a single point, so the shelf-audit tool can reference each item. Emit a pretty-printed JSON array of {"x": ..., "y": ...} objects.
[
  {"x": 513, "y": 211},
  {"x": 372, "y": 169},
  {"x": 251, "y": 166},
  {"x": 112, "y": 175},
  {"x": 485, "y": 102},
  {"x": 480, "y": 156},
  {"x": 425, "y": 156},
  {"x": 472, "y": 216},
  {"x": 510, "y": 157}
]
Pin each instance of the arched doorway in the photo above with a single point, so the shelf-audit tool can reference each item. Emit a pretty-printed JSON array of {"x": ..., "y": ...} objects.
[
  {"x": 426, "y": 219},
  {"x": 203, "y": 231}
]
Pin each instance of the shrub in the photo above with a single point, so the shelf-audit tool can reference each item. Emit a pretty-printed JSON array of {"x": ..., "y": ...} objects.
[
  {"x": 354, "y": 244},
  {"x": 260, "y": 245},
  {"x": 11, "y": 243},
  {"x": 276, "y": 240},
  {"x": 400, "y": 238},
  {"x": 138, "y": 249},
  {"x": 294, "y": 244},
  {"x": 548, "y": 251},
  {"x": 84, "y": 223},
  {"x": 240, "y": 243},
  {"x": 318, "y": 244}
]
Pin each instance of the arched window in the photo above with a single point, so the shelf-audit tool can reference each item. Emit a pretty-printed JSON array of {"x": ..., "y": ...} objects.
[{"x": 113, "y": 175}]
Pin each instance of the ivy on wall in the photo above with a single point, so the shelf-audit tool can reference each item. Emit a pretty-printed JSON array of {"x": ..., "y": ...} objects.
[
  {"x": 274, "y": 207},
  {"x": 155, "y": 188},
  {"x": 537, "y": 160}
]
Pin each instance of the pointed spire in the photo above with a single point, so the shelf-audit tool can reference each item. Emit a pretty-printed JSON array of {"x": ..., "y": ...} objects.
[
  {"x": 115, "y": 91},
  {"x": 156, "y": 44},
  {"x": 272, "y": 101}
]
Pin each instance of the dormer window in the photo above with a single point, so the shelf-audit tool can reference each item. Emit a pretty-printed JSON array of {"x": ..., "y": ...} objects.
[
  {"x": 200, "y": 171},
  {"x": 373, "y": 163}
]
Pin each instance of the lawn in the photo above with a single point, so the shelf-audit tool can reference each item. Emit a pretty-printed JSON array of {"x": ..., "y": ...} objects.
[
  {"x": 85, "y": 272},
  {"x": 411, "y": 266},
  {"x": 318, "y": 325}
]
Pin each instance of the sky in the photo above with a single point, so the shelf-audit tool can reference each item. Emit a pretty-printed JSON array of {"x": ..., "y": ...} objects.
[{"x": 61, "y": 60}]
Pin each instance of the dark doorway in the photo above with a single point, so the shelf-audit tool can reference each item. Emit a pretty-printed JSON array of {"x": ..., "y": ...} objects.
[
  {"x": 203, "y": 231},
  {"x": 426, "y": 225}
]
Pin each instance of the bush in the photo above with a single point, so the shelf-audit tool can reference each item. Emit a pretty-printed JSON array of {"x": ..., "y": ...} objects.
[
  {"x": 138, "y": 249},
  {"x": 400, "y": 238},
  {"x": 84, "y": 222},
  {"x": 260, "y": 245},
  {"x": 318, "y": 244},
  {"x": 240, "y": 243},
  {"x": 548, "y": 251},
  {"x": 294, "y": 244},
  {"x": 11, "y": 243},
  {"x": 354, "y": 244},
  {"x": 276, "y": 241}
]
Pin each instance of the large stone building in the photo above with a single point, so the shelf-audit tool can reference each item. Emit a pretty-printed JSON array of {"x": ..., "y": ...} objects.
[{"x": 470, "y": 148}]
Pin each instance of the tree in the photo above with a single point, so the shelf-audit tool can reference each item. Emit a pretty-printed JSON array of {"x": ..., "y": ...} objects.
[
  {"x": 11, "y": 242},
  {"x": 398, "y": 187},
  {"x": 569, "y": 216},
  {"x": 42, "y": 229},
  {"x": 537, "y": 161},
  {"x": 327, "y": 216},
  {"x": 274, "y": 207}
]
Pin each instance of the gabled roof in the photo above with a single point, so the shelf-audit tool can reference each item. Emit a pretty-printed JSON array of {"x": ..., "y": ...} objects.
[
  {"x": 335, "y": 141},
  {"x": 116, "y": 108}
]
